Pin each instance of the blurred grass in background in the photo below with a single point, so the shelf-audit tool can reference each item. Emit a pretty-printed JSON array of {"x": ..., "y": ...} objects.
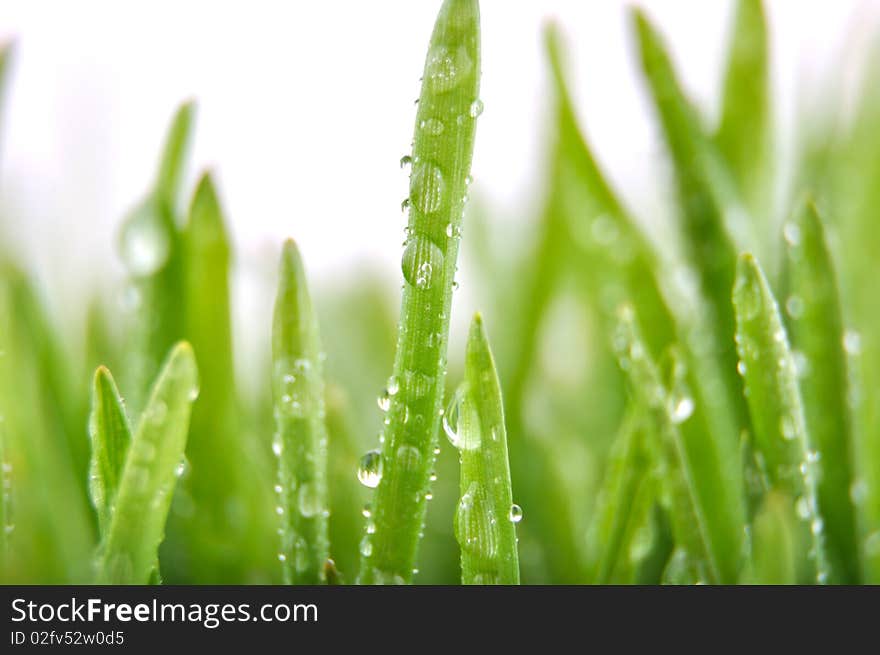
[{"x": 603, "y": 479}]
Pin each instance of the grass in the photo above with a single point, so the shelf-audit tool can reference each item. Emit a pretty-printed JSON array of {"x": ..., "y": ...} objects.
[{"x": 697, "y": 404}]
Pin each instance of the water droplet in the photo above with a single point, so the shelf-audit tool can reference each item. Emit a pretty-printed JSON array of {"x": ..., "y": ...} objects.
[
  {"x": 277, "y": 444},
  {"x": 282, "y": 557},
  {"x": 816, "y": 526},
  {"x": 852, "y": 342},
  {"x": 444, "y": 70},
  {"x": 409, "y": 457},
  {"x": 453, "y": 231},
  {"x": 308, "y": 501},
  {"x": 405, "y": 161},
  {"x": 476, "y": 108},
  {"x": 404, "y": 205},
  {"x": 516, "y": 514},
  {"x": 792, "y": 234},
  {"x": 182, "y": 467},
  {"x": 432, "y": 126},
  {"x": 794, "y": 306},
  {"x": 604, "y": 230},
  {"x": 279, "y": 510},
  {"x": 463, "y": 434},
  {"x": 741, "y": 367},
  {"x": 858, "y": 491},
  {"x": 803, "y": 508},
  {"x": 475, "y": 528},
  {"x": 370, "y": 469},
  {"x": 279, "y": 489},
  {"x": 366, "y": 546},
  {"x": 427, "y": 187},
  {"x": 681, "y": 409},
  {"x": 433, "y": 477},
  {"x": 393, "y": 386},
  {"x": 145, "y": 241},
  {"x": 788, "y": 428},
  {"x": 801, "y": 363},
  {"x": 429, "y": 496},
  {"x": 422, "y": 262},
  {"x": 384, "y": 400},
  {"x": 367, "y": 511}
]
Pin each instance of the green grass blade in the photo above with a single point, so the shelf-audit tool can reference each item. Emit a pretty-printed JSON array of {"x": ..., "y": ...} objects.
[
  {"x": 817, "y": 336},
  {"x": 743, "y": 135},
  {"x": 301, "y": 435},
  {"x": 780, "y": 430},
  {"x": 441, "y": 159},
  {"x": 486, "y": 516},
  {"x": 172, "y": 164},
  {"x": 774, "y": 543},
  {"x": 666, "y": 409},
  {"x": 129, "y": 553},
  {"x": 708, "y": 244},
  {"x": 111, "y": 435}
]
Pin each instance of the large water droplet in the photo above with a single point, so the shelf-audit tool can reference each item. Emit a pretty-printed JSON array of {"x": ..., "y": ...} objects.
[
  {"x": 427, "y": 187},
  {"x": 462, "y": 431},
  {"x": 308, "y": 501},
  {"x": 145, "y": 241},
  {"x": 422, "y": 262},
  {"x": 681, "y": 408},
  {"x": 370, "y": 469},
  {"x": 516, "y": 514}
]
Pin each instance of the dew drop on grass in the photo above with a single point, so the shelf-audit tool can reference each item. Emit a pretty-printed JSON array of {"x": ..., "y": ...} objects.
[
  {"x": 409, "y": 457},
  {"x": 794, "y": 306},
  {"x": 422, "y": 262},
  {"x": 367, "y": 511},
  {"x": 792, "y": 234},
  {"x": 453, "y": 231},
  {"x": 681, "y": 408},
  {"x": 370, "y": 469},
  {"x": 741, "y": 367},
  {"x": 476, "y": 108},
  {"x": 516, "y": 514},
  {"x": 461, "y": 439},
  {"x": 787, "y": 428},
  {"x": 405, "y": 161},
  {"x": 366, "y": 546},
  {"x": 852, "y": 342},
  {"x": 145, "y": 242},
  {"x": 444, "y": 70},
  {"x": 279, "y": 489},
  {"x": 427, "y": 187},
  {"x": 432, "y": 126},
  {"x": 277, "y": 444},
  {"x": 404, "y": 205},
  {"x": 308, "y": 501}
]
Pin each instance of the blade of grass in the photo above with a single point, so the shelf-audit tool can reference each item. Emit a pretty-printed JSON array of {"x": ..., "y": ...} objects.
[
  {"x": 774, "y": 543},
  {"x": 743, "y": 135},
  {"x": 817, "y": 337},
  {"x": 442, "y": 153},
  {"x": 301, "y": 435},
  {"x": 691, "y": 523},
  {"x": 486, "y": 516},
  {"x": 110, "y": 433},
  {"x": 780, "y": 430},
  {"x": 130, "y": 552}
]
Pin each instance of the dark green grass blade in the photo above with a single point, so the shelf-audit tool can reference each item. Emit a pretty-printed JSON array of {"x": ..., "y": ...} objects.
[
  {"x": 708, "y": 244},
  {"x": 815, "y": 325},
  {"x": 111, "y": 435},
  {"x": 129, "y": 553},
  {"x": 743, "y": 135},
  {"x": 691, "y": 523},
  {"x": 301, "y": 435},
  {"x": 151, "y": 248},
  {"x": 438, "y": 185},
  {"x": 780, "y": 431},
  {"x": 485, "y": 518}
]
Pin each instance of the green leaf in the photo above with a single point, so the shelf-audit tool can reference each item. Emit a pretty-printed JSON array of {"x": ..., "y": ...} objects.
[
  {"x": 129, "y": 553},
  {"x": 300, "y": 441},
  {"x": 110, "y": 433},
  {"x": 486, "y": 516},
  {"x": 441, "y": 158},
  {"x": 780, "y": 431},
  {"x": 774, "y": 543},
  {"x": 743, "y": 135},
  {"x": 173, "y": 162},
  {"x": 817, "y": 337}
]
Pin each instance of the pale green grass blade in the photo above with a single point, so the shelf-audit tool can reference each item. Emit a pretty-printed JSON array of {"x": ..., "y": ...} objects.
[
  {"x": 129, "y": 554},
  {"x": 708, "y": 244},
  {"x": 173, "y": 162},
  {"x": 774, "y": 543},
  {"x": 486, "y": 518},
  {"x": 815, "y": 325},
  {"x": 665, "y": 409},
  {"x": 300, "y": 441},
  {"x": 441, "y": 158},
  {"x": 110, "y": 433},
  {"x": 780, "y": 431},
  {"x": 743, "y": 136}
]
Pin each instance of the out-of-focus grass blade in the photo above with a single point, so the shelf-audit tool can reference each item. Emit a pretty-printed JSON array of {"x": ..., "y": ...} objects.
[
  {"x": 486, "y": 516},
  {"x": 129, "y": 554},
  {"x": 301, "y": 435},
  {"x": 708, "y": 243},
  {"x": 627, "y": 475},
  {"x": 774, "y": 543},
  {"x": 111, "y": 434},
  {"x": 743, "y": 135},
  {"x": 666, "y": 409},
  {"x": 813, "y": 314},
  {"x": 780, "y": 431},
  {"x": 150, "y": 245}
]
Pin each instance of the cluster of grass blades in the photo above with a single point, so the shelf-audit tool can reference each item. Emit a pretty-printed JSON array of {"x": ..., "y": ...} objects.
[{"x": 711, "y": 416}]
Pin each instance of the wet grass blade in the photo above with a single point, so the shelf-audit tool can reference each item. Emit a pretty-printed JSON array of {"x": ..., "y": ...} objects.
[
  {"x": 743, "y": 135},
  {"x": 129, "y": 554},
  {"x": 780, "y": 431},
  {"x": 774, "y": 543},
  {"x": 110, "y": 433},
  {"x": 815, "y": 325},
  {"x": 666, "y": 407},
  {"x": 300, "y": 441},
  {"x": 486, "y": 516},
  {"x": 441, "y": 160}
]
